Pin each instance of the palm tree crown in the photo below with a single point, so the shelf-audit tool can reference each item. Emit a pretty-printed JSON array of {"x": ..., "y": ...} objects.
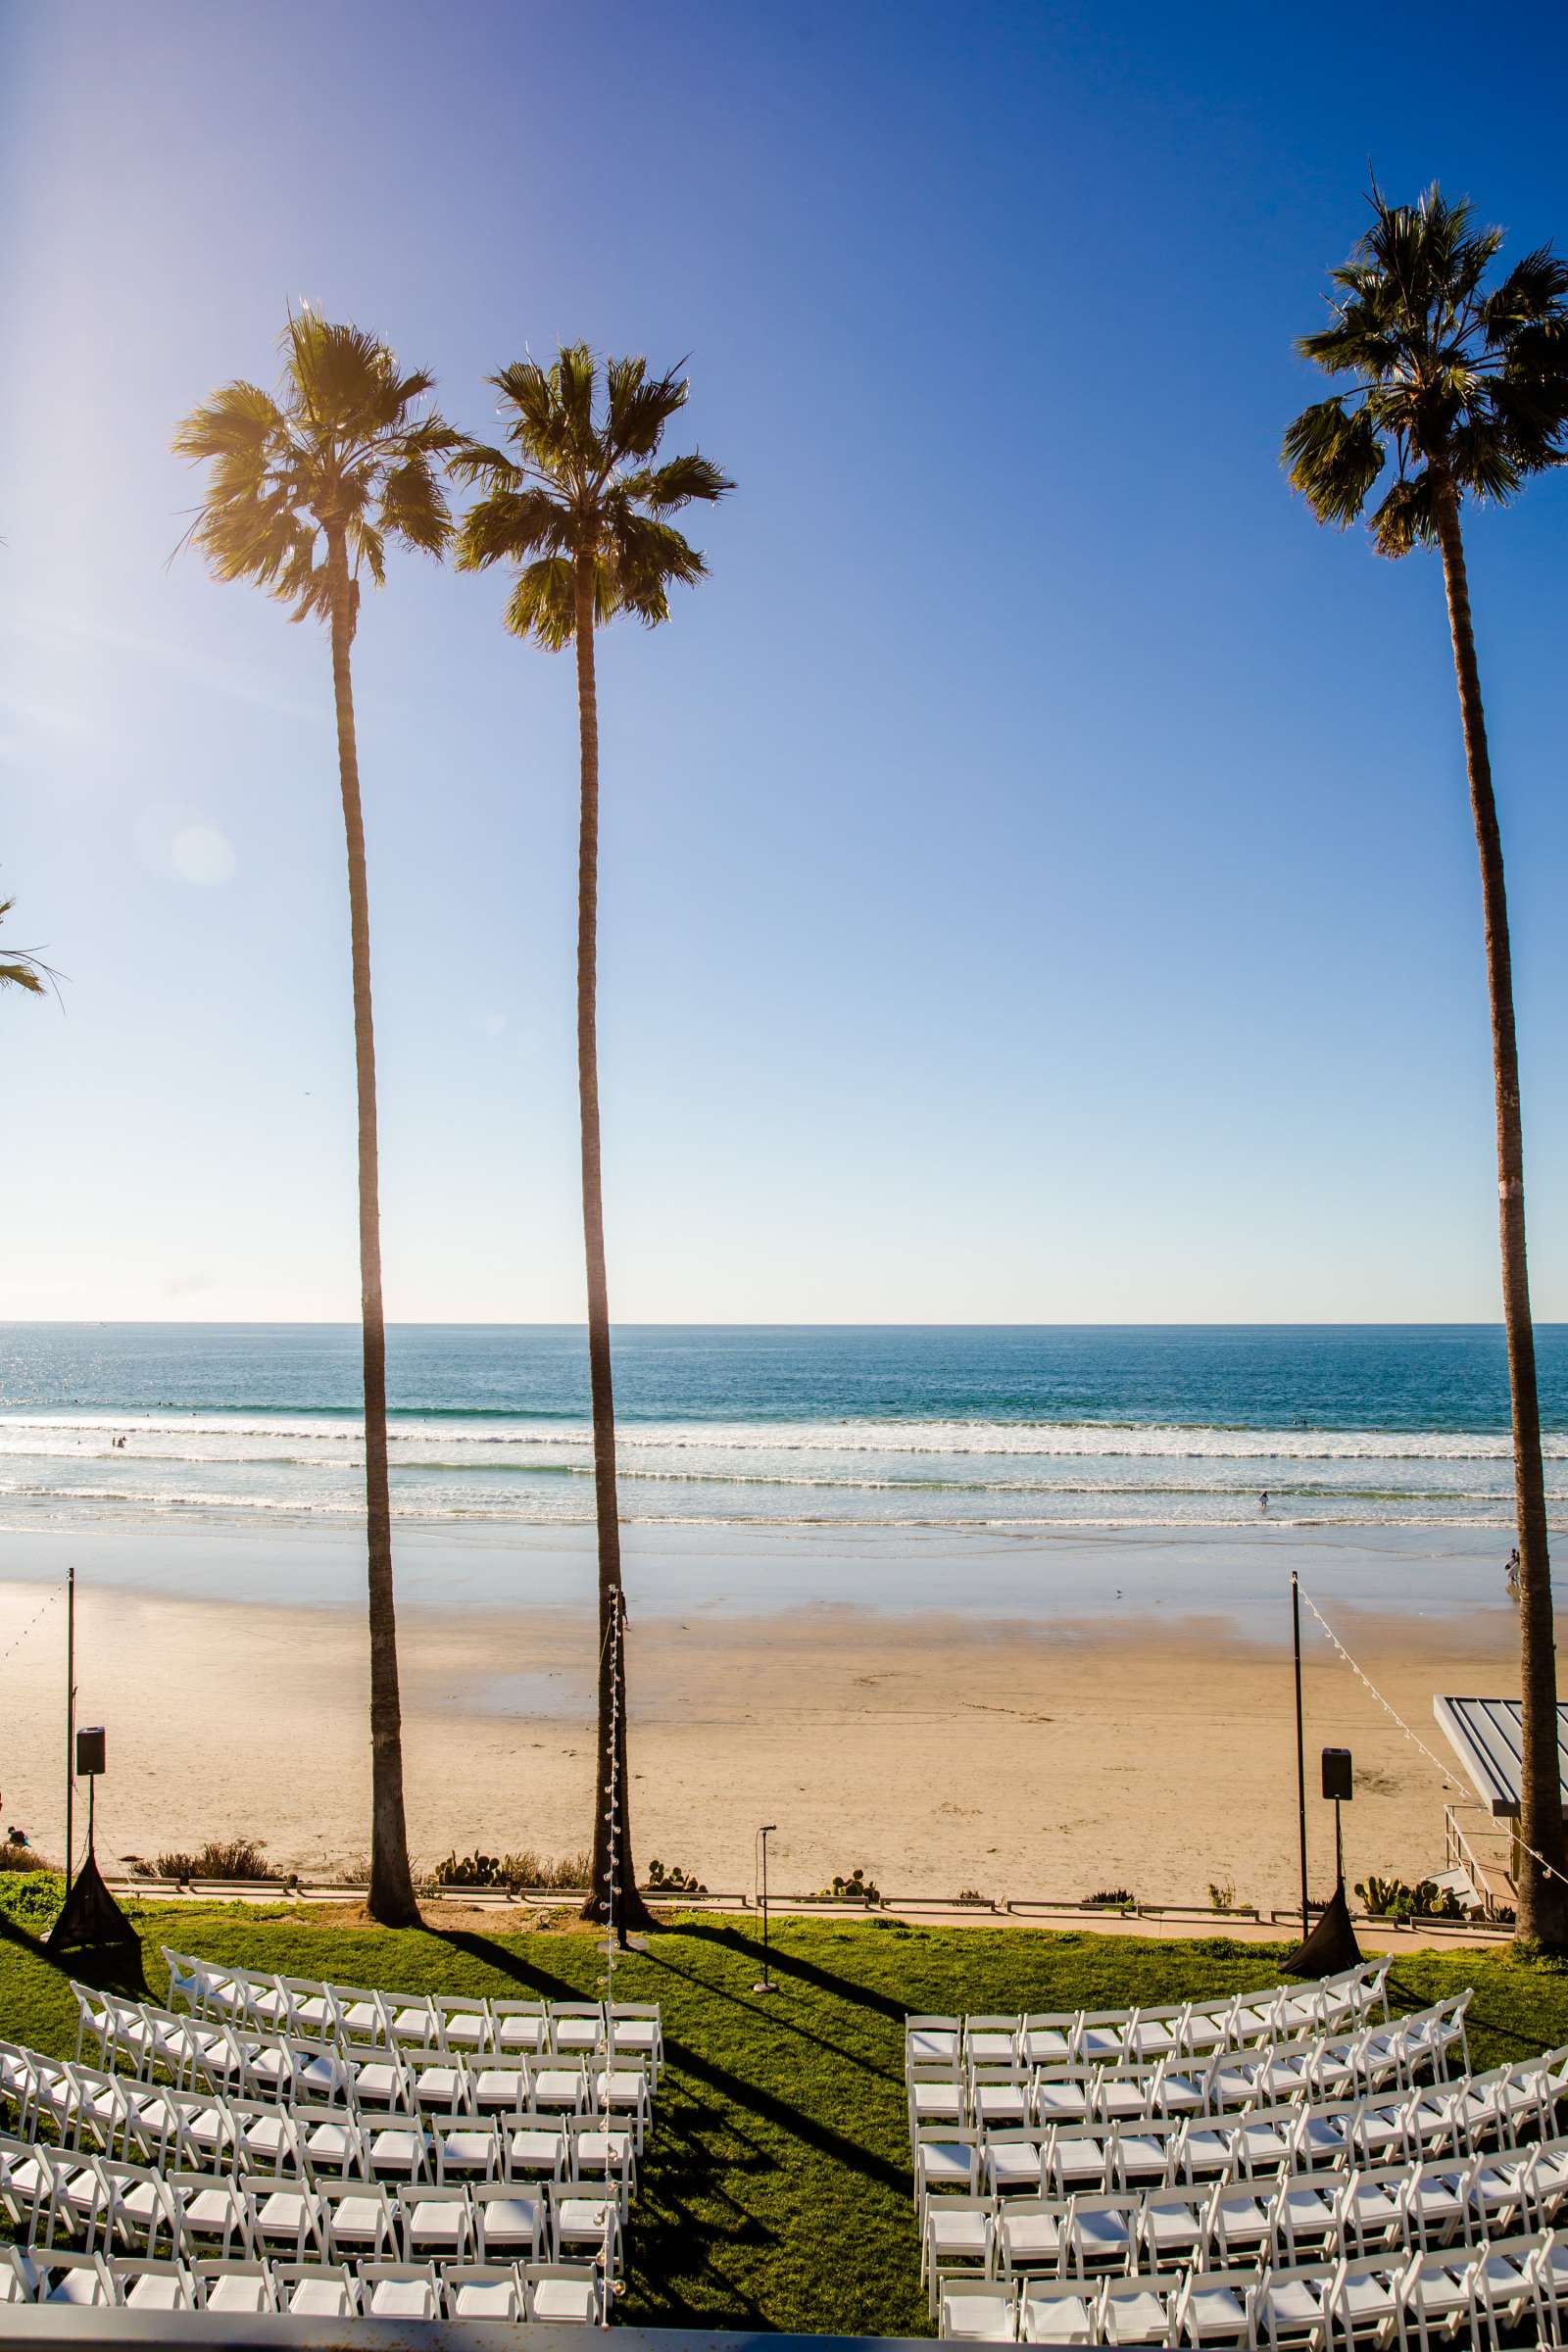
[
  {"x": 341, "y": 456},
  {"x": 581, "y": 484},
  {"x": 1458, "y": 385}
]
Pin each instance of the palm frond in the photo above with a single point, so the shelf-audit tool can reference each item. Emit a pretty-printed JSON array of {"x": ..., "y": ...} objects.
[
  {"x": 1333, "y": 455},
  {"x": 544, "y": 602}
]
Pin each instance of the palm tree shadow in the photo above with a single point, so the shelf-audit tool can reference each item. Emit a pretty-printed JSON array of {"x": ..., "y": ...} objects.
[
  {"x": 785, "y": 1962},
  {"x": 507, "y": 1963}
]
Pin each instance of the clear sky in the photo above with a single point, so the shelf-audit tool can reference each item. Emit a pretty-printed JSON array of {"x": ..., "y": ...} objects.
[{"x": 1038, "y": 877}]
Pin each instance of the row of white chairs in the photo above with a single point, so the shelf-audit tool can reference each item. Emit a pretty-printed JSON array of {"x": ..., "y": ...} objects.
[
  {"x": 1230, "y": 2224},
  {"x": 157, "y": 2045},
  {"x": 50, "y": 2199},
  {"x": 1337, "y": 2066},
  {"x": 315, "y": 2009},
  {"x": 543, "y": 2292},
  {"x": 1414, "y": 2302},
  {"x": 1503, "y": 2107},
  {"x": 88, "y": 2109},
  {"x": 1190, "y": 2028}
]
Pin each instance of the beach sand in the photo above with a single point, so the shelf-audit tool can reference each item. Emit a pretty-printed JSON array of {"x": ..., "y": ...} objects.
[{"x": 1021, "y": 1750}]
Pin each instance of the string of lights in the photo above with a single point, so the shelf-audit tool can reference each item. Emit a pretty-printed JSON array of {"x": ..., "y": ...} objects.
[
  {"x": 32, "y": 1621},
  {"x": 1414, "y": 1737},
  {"x": 613, "y": 1822}
]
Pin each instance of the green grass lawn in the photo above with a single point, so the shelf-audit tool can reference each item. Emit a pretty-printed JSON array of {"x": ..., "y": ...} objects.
[{"x": 776, "y": 2188}]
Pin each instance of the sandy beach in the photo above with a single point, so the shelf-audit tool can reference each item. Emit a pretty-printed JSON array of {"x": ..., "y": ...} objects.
[{"x": 1016, "y": 1721}]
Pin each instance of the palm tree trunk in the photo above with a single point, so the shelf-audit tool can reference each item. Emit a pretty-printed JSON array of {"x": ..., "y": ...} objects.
[
  {"x": 614, "y": 1892},
  {"x": 1543, "y": 1911},
  {"x": 392, "y": 1899}
]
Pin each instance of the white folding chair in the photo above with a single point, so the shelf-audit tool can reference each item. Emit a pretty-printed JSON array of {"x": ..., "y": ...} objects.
[
  {"x": 522, "y": 2027},
  {"x": 360, "y": 2220},
  {"x": 240, "y": 2288},
  {"x": 484, "y": 2291},
  {"x": 945, "y": 2161},
  {"x": 990, "y": 2040},
  {"x": 316, "y": 2290},
  {"x": 577, "y": 2029},
  {"x": 1365, "y": 2300},
  {"x": 65, "y": 2278},
  {"x": 1028, "y": 2236},
  {"x": 564, "y": 2293},
  {"x": 398, "y": 2291},
  {"x": 1174, "y": 2228},
  {"x": 959, "y": 2240},
  {"x": 977, "y": 2312},
  {"x": 511, "y": 2223},
  {"x": 1293, "y": 2306},
  {"x": 286, "y": 2221},
  {"x": 1100, "y": 2233},
  {"x": 147, "y": 2282},
  {"x": 1217, "y": 2308},
  {"x": 1438, "y": 2294},
  {"x": 580, "y": 2218},
  {"x": 211, "y": 2209},
  {"x": 1139, "y": 2311},
  {"x": 637, "y": 2030},
  {"x": 435, "y": 2224},
  {"x": 1011, "y": 2162},
  {"x": 535, "y": 2148},
  {"x": 1057, "y": 2310},
  {"x": 19, "y": 2277}
]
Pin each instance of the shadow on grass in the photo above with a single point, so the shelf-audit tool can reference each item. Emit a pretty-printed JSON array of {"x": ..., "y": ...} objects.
[
  {"x": 736, "y": 2092},
  {"x": 507, "y": 1964},
  {"x": 785, "y": 1962},
  {"x": 777, "y": 2018}
]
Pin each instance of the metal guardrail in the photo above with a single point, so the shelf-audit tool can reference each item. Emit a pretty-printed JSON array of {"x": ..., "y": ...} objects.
[{"x": 38, "y": 2325}]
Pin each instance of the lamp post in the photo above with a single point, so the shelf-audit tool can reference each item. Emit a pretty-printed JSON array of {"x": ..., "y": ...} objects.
[{"x": 764, "y": 1833}]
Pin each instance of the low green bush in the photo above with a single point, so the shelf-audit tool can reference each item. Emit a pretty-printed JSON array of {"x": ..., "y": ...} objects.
[
  {"x": 218, "y": 1858},
  {"x": 1392, "y": 1898},
  {"x": 856, "y": 1889},
  {"x": 512, "y": 1872}
]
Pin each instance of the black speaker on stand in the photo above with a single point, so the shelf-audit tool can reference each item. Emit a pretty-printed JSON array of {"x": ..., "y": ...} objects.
[
  {"x": 91, "y": 1919},
  {"x": 1331, "y": 1947}
]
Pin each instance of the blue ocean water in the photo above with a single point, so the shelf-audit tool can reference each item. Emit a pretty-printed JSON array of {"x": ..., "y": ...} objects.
[{"x": 1094, "y": 1427}]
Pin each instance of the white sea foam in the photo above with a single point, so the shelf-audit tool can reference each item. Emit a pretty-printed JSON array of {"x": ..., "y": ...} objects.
[{"x": 889, "y": 1474}]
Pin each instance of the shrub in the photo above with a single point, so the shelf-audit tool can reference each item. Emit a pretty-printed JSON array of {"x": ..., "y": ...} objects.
[
  {"x": 24, "y": 1859},
  {"x": 1392, "y": 1898},
  {"x": 1109, "y": 1898},
  {"x": 856, "y": 1889},
  {"x": 513, "y": 1871},
  {"x": 972, "y": 1895},
  {"x": 672, "y": 1879},
  {"x": 219, "y": 1858},
  {"x": 1222, "y": 1897}
]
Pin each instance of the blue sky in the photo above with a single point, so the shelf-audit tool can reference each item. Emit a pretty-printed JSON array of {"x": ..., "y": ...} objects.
[{"x": 1038, "y": 878}]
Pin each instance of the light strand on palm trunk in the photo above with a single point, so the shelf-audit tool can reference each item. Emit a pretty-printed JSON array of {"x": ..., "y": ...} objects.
[
  {"x": 1414, "y": 1737},
  {"x": 612, "y": 1796}
]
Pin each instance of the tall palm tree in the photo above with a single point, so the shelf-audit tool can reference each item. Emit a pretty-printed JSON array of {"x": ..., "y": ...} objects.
[
  {"x": 579, "y": 504},
  {"x": 305, "y": 491},
  {"x": 1463, "y": 386}
]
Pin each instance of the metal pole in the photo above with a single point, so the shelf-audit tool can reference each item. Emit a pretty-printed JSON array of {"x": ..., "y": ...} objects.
[
  {"x": 768, "y": 1985},
  {"x": 1339, "y": 1850},
  {"x": 70, "y": 1722},
  {"x": 1301, "y": 1743}
]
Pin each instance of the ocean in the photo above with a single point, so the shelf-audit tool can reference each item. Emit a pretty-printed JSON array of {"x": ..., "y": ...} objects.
[{"x": 943, "y": 1428}]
